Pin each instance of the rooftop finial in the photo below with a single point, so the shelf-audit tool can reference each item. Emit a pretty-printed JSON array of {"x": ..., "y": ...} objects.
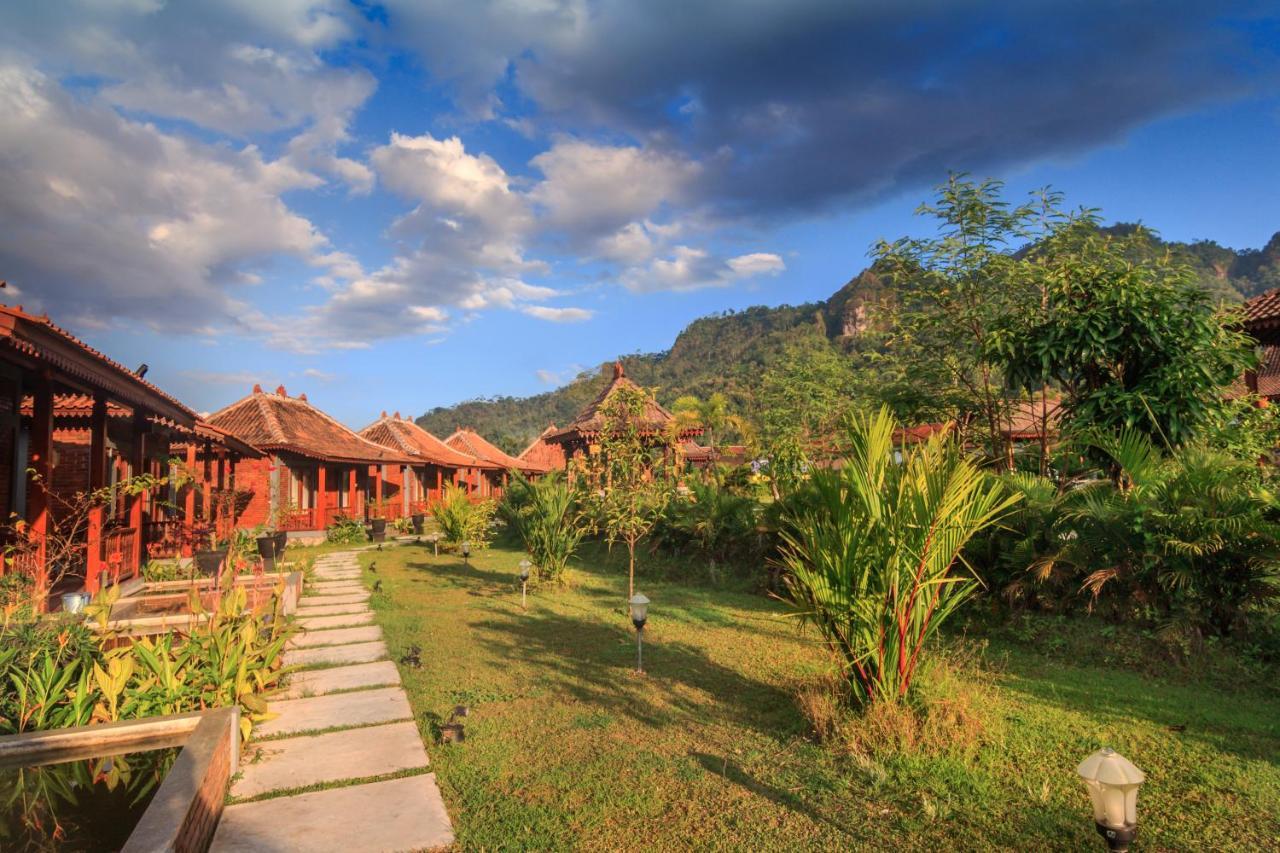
[
  {"x": 617, "y": 369},
  {"x": 397, "y": 415},
  {"x": 257, "y": 389},
  {"x": 303, "y": 396},
  {"x": 384, "y": 413},
  {"x": 280, "y": 390}
]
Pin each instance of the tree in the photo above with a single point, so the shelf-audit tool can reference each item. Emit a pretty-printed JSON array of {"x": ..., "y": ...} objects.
[
  {"x": 625, "y": 485},
  {"x": 712, "y": 414},
  {"x": 803, "y": 396},
  {"x": 1133, "y": 341},
  {"x": 958, "y": 289}
]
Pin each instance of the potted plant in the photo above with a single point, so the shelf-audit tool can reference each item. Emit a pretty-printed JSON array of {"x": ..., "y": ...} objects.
[
  {"x": 282, "y": 542},
  {"x": 418, "y": 519},
  {"x": 209, "y": 561},
  {"x": 378, "y": 523},
  {"x": 267, "y": 546}
]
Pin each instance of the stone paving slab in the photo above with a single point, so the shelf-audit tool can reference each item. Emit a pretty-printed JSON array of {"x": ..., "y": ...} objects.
[
  {"x": 298, "y": 762},
  {"x": 358, "y": 653},
  {"x": 349, "y": 598},
  {"x": 317, "y": 682},
  {"x": 362, "y": 707},
  {"x": 399, "y": 814},
  {"x": 342, "y": 620},
  {"x": 335, "y": 575},
  {"x": 333, "y": 609},
  {"x": 343, "y": 588},
  {"x": 337, "y": 637}
]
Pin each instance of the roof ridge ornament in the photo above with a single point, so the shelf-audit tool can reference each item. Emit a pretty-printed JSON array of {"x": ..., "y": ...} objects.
[
  {"x": 281, "y": 392},
  {"x": 618, "y": 372}
]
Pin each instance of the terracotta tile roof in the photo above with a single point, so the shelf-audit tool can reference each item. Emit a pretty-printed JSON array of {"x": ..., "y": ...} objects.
[
  {"x": 469, "y": 441},
  {"x": 280, "y": 422},
  {"x": 404, "y": 436},
  {"x": 590, "y": 421},
  {"x": 1262, "y": 308},
  {"x": 1025, "y": 419},
  {"x": 545, "y": 453},
  {"x": 39, "y": 339}
]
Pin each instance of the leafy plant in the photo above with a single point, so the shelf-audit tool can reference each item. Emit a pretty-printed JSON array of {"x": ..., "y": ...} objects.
[
  {"x": 345, "y": 531},
  {"x": 543, "y": 515},
  {"x": 873, "y": 552},
  {"x": 462, "y": 520}
]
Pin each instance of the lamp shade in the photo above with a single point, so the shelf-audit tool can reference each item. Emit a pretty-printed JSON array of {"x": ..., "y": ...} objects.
[
  {"x": 466, "y": 549},
  {"x": 525, "y": 566},
  {"x": 1113, "y": 786},
  {"x": 639, "y": 607}
]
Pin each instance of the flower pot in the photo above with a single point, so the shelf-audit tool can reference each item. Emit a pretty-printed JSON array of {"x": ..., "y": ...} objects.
[
  {"x": 418, "y": 519},
  {"x": 210, "y": 562},
  {"x": 379, "y": 525},
  {"x": 267, "y": 547},
  {"x": 282, "y": 542}
]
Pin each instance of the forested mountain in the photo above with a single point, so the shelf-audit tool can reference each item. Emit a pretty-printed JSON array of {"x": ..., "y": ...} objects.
[{"x": 728, "y": 352}]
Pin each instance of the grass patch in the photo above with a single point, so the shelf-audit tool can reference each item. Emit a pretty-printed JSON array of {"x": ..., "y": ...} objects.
[{"x": 567, "y": 747}]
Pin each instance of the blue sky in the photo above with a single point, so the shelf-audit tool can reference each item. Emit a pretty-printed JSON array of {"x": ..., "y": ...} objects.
[{"x": 402, "y": 204}]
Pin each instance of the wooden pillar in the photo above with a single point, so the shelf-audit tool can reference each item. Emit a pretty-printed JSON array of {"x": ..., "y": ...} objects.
[
  {"x": 138, "y": 464},
  {"x": 39, "y": 480},
  {"x": 352, "y": 502},
  {"x": 377, "y": 487},
  {"x": 219, "y": 523},
  {"x": 97, "y": 481},
  {"x": 322, "y": 499},
  {"x": 406, "y": 478},
  {"x": 189, "y": 503},
  {"x": 440, "y": 480}
]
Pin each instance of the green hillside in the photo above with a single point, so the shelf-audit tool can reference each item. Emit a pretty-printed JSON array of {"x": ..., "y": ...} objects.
[{"x": 728, "y": 352}]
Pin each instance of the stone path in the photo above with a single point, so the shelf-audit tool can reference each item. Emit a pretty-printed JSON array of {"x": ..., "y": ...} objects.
[{"x": 344, "y": 727}]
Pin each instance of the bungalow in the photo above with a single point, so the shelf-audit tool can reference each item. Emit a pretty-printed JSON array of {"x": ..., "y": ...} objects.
[
  {"x": 470, "y": 442},
  {"x": 74, "y": 422},
  {"x": 544, "y": 453},
  {"x": 318, "y": 470},
  {"x": 435, "y": 463}
]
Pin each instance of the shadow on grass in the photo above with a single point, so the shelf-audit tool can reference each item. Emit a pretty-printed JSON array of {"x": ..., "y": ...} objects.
[
  {"x": 732, "y": 772},
  {"x": 594, "y": 662},
  {"x": 1249, "y": 728}
]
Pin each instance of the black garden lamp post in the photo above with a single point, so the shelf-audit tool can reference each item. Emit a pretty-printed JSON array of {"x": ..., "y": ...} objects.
[
  {"x": 639, "y": 615},
  {"x": 466, "y": 552},
  {"x": 1113, "y": 784},
  {"x": 525, "y": 566}
]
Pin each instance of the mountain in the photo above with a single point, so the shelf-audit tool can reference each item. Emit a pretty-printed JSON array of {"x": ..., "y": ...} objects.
[{"x": 728, "y": 352}]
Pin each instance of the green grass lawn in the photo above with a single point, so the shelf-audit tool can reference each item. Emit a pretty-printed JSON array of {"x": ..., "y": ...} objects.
[{"x": 566, "y": 747}]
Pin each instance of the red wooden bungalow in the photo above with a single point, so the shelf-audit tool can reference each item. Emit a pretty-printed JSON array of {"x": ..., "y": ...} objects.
[
  {"x": 584, "y": 431},
  {"x": 73, "y": 420},
  {"x": 1262, "y": 321},
  {"x": 318, "y": 470},
  {"x": 544, "y": 453},
  {"x": 435, "y": 463},
  {"x": 470, "y": 442}
]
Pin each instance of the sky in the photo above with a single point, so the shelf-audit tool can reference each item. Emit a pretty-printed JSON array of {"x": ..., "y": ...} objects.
[{"x": 403, "y": 204}]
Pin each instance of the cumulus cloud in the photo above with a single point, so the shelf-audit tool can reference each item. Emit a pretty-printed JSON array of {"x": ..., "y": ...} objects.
[
  {"x": 689, "y": 268},
  {"x": 558, "y": 315},
  {"x": 795, "y": 107},
  {"x": 108, "y": 217}
]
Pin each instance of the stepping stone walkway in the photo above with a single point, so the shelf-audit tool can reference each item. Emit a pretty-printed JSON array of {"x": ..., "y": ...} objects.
[{"x": 344, "y": 726}]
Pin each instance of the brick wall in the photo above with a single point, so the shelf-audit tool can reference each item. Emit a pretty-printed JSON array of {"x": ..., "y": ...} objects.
[{"x": 254, "y": 476}]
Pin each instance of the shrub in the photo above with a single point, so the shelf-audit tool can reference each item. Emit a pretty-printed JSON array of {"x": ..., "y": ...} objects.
[
  {"x": 713, "y": 522},
  {"x": 542, "y": 513},
  {"x": 872, "y": 553},
  {"x": 345, "y": 531},
  {"x": 462, "y": 520}
]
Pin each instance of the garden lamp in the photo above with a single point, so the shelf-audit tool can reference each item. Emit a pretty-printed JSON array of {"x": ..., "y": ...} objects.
[
  {"x": 466, "y": 551},
  {"x": 639, "y": 615},
  {"x": 525, "y": 565},
  {"x": 1113, "y": 786}
]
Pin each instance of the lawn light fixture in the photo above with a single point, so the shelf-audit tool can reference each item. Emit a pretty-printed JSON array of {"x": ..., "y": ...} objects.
[
  {"x": 435, "y": 544},
  {"x": 639, "y": 616},
  {"x": 1113, "y": 786},
  {"x": 525, "y": 566},
  {"x": 466, "y": 551}
]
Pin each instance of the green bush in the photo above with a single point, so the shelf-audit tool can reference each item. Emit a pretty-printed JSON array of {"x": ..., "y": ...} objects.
[
  {"x": 345, "y": 531},
  {"x": 462, "y": 520},
  {"x": 543, "y": 515},
  {"x": 714, "y": 522},
  {"x": 872, "y": 553}
]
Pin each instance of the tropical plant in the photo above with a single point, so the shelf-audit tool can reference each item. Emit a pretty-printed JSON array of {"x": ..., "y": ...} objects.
[
  {"x": 462, "y": 520},
  {"x": 543, "y": 514},
  {"x": 714, "y": 522},
  {"x": 873, "y": 552},
  {"x": 345, "y": 531}
]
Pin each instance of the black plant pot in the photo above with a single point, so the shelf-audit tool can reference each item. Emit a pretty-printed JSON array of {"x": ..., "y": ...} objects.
[
  {"x": 210, "y": 562},
  {"x": 379, "y": 526},
  {"x": 282, "y": 542},
  {"x": 267, "y": 547},
  {"x": 418, "y": 520}
]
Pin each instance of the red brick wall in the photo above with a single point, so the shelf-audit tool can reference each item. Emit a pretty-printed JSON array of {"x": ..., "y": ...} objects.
[{"x": 254, "y": 476}]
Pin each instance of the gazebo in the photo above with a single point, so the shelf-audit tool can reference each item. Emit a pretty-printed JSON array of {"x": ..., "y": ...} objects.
[
  {"x": 318, "y": 470},
  {"x": 435, "y": 462},
  {"x": 584, "y": 430},
  {"x": 74, "y": 421},
  {"x": 495, "y": 480}
]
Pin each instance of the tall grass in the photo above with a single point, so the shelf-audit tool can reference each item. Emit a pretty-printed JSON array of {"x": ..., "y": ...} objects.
[
  {"x": 873, "y": 552},
  {"x": 542, "y": 513},
  {"x": 462, "y": 520}
]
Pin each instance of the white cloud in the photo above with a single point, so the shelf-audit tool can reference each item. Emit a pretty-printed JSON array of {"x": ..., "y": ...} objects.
[
  {"x": 689, "y": 268},
  {"x": 558, "y": 315}
]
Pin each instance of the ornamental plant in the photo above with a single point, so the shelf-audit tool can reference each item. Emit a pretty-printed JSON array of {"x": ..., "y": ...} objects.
[
  {"x": 462, "y": 520},
  {"x": 542, "y": 513},
  {"x": 873, "y": 552}
]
